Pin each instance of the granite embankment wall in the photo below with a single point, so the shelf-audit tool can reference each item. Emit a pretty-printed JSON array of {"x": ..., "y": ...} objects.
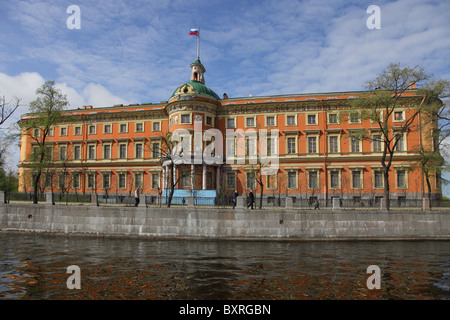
[{"x": 197, "y": 223}]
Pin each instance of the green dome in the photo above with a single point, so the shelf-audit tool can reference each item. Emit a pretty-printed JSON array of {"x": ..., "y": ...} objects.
[{"x": 200, "y": 88}]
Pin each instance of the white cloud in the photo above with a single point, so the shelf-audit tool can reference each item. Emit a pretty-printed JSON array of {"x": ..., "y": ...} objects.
[{"x": 97, "y": 96}]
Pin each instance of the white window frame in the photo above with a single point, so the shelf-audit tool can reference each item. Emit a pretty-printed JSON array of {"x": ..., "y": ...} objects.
[
  {"x": 333, "y": 114},
  {"x": 316, "y": 119},
  {"x": 287, "y": 124},
  {"x": 338, "y": 143}
]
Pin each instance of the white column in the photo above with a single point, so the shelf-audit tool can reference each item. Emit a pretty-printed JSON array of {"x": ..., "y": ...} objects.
[
  {"x": 217, "y": 178},
  {"x": 204, "y": 177},
  {"x": 174, "y": 173},
  {"x": 164, "y": 170}
]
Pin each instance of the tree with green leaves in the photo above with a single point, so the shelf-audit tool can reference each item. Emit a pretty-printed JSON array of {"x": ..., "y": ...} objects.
[
  {"x": 435, "y": 126},
  {"x": 395, "y": 89},
  {"x": 45, "y": 112}
]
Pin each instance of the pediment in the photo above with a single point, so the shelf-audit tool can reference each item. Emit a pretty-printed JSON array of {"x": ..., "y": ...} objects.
[{"x": 186, "y": 89}]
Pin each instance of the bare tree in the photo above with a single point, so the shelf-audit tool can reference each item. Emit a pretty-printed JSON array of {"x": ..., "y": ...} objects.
[
  {"x": 6, "y": 111},
  {"x": 168, "y": 154}
]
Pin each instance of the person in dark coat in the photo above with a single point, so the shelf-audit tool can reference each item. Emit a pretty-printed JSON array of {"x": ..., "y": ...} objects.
[
  {"x": 235, "y": 195},
  {"x": 136, "y": 197},
  {"x": 251, "y": 200}
]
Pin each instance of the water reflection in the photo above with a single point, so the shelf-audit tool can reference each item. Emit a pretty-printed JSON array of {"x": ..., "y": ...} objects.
[{"x": 34, "y": 267}]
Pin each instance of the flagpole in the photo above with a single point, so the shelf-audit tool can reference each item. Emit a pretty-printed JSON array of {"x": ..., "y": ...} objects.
[{"x": 198, "y": 44}]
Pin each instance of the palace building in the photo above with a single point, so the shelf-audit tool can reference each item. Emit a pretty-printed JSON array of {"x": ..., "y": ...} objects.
[{"x": 307, "y": 138}]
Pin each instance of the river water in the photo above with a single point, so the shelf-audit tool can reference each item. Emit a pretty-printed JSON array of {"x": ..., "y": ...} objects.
[{"x": 35, "y": 267}]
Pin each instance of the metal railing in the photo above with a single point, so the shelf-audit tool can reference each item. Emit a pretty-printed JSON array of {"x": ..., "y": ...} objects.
[{"x": 226, "y": 201}]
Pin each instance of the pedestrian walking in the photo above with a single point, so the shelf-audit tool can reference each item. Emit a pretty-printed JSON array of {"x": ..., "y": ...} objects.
[
  {"x": 136, "y": 197},
  {"x": 235, "y": 195},
  {"x": 316, "y": 206},
  {"x": 251, "y": 200}
]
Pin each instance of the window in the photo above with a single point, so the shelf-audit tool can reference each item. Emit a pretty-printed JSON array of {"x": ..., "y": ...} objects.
[
  {"x": 91, "y": 152},
  {"x": 290, "y": 120},
  {"x": 271, "y": 146},
  {"x": 208, "y": 121},
  {"x": 251, "y": 180},
  {"x": 122, "y": 177},
  {"x": 63, "y": 131},
  {"x": 209, "y": 180},
  {"x": 334, "y": 179},
  {"x": 36, "y": 133},
  {"x": 292, "y": 180},
  {"x": 48, "y": 153},
  {"x": 270, "y": 121},
  {"x": 48, "y": 181},
  {"x": 376, "y": 143},
  {"x": 122, "y": 151},
  {"x": 155, "y": 180},
  {"x": 184, "y": 147},
  {"x": 356, "y": 179},
  {"x": 438, "y": 180},
  {"x": 313, "y": 180},
  {"x": 312, "y": 119},
  {"x": 155, "y": 150},
  {"x": 62, "y": 153},
  {"x": 77, "y": 131},
  {"x": 312, "y": 145},
  {"x": 250, "y": 122},
  {"x": 355, "y": 117},
  {"x": 77, "y": 152},
  {"x": 138, "y": 151},
  {"x": 107, "y": 128},
  {"x": 90, "y": 181},
  {"x": 139, "y": 127},
  {"x": 123, "y": 127},
  {"x": 92, "y": 129},
  {"x": 333, "y": 118},
  {"x": 156, "y": 126},
  {"x": 76, "y": 181},
  {"x": 62, "y": 181},
  {"x": 333, "y": 144},
  {"x": 355, "y": 144},
  {"x": 271, "y": 181},
  {"x": 106, "y": 178},
  {"x": 231, "y": 147},
  {"x": 107, "y": 151},
  {"x": 401, "y": 179},
  {"x": 35, "y": 154},
  {"x": 185, "y": 118},
  {"x": 185, "y": 179},
  {"x": 138, "y": 180},
  {"x": 51, "y": 132},
  {"x": 230, "y": 123},
  {"x": 399, "y": 116},
  {"x": 291, "y": 145},
  {"x": 378, "y": 179},
  {"x": 250, "y": 146},
  {"x": 231, "y": 180},
  {"x": 400, "y": 146}
]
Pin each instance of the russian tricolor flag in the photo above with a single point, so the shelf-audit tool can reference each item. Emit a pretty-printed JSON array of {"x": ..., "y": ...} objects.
[{"x": 194, "y": 32}]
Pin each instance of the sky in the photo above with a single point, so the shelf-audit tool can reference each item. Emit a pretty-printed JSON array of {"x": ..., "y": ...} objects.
[{"x": 137, "y": 51}]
